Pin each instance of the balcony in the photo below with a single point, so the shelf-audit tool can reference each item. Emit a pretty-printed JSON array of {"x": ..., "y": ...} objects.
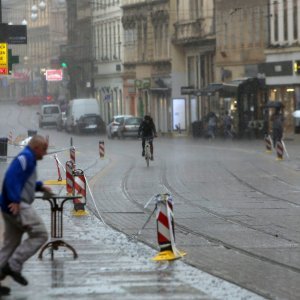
[{"x": 188, "y": 31}]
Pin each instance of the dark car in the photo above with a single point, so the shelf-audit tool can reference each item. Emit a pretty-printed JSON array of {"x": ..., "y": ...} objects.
[
  {"x": 129, "y": 127},
  {"x": 90, "y": 122}
]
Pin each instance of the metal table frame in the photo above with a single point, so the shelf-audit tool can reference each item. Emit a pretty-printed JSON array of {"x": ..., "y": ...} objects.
[{"x": 57, "y": 225}]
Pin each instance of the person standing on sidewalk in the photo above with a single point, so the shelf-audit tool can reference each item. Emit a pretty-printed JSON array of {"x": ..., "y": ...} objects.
[
  {"x": 18, "y": 192},
  {"x": 277, "y": 127}
]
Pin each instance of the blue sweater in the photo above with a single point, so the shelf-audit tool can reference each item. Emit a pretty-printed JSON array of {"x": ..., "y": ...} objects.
[{"x": 20, "y": 183}]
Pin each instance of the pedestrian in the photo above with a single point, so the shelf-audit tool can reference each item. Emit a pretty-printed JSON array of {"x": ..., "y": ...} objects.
[
  {"x": 212, "y": 124},
  {"x": 277, "y": 127},
  {"x": 227, "y": 124},
  {"x": 18, "y": 191},
  {"x": 147, "y": 129}
]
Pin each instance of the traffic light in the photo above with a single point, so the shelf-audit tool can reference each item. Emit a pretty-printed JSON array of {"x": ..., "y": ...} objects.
[
  {"x": 63, "y": 62},
  {"x": 297, "y": 67},
  {"x": 12, "y": 59}
]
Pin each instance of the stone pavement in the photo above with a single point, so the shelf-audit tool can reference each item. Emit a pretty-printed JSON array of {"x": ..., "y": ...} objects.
[{"x": 111, "y": 266}]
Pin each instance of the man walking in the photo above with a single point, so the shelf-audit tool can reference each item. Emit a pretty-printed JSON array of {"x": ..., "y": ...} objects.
[{"x": 18, "y": 192}]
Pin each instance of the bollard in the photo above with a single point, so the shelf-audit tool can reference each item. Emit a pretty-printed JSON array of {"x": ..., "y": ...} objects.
[
  {"x": 3, "y": 148},
  {"x": 79, "y": 189},
  {"x": 279, "y": 150},
  {"x": 72, "y": 155},
  {"x": 268, "y": 143},
  {"x": 10, "y": 138},
  {"x": 166, "y": 230},
  {"x": 58, "y": 168},
  {"x": 101, "y": 149},
  {"x": 69, "y": 177}
]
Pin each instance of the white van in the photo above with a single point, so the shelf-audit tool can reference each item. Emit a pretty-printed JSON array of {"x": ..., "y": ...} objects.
[
  {"x": 84, "y": 115},
  {"x": 49, "y": 115}
]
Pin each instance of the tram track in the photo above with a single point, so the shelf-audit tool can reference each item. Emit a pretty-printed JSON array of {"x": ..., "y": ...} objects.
[{"x": 186, "y": 230}]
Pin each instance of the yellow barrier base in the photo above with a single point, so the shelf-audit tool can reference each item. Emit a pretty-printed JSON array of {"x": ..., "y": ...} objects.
[
  {"x": 79, "y": 213},
  {"x": 55, "y": 182},
  {"x": 168, "y": 255},
  {"x": 279, "y": 159},
  {"x": 268, "y": 151}
]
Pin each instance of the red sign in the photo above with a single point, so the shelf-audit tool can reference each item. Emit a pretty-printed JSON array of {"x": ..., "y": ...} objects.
[
  {"x": 54, "y": 75},
  {"x": 3, "y": 71}
]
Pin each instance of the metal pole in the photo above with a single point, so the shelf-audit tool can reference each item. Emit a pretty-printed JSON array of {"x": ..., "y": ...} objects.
[{"x": 0, "y": 12}]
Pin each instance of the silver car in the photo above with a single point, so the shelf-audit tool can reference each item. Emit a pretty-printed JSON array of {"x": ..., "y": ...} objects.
[
  {"x": 112, "y": 127},
  {"x": 129, "y": 127}
]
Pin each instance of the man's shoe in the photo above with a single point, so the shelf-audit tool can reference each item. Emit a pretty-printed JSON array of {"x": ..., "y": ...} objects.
[
  {"x": 16, "y": 276},
  {"x": 4, "y": 290},
  {"x": 143, "y": 153}
]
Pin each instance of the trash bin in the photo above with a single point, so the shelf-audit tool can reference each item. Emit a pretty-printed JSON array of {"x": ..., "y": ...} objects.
[
  {"x": 197, "y": 128},
  {"x": 3, "y": 146},
  {"x": 31, "y": 132}
]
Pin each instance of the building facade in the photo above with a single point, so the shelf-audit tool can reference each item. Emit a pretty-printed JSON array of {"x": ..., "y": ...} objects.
[
  {"x": 195, "y": 39},
  {"x": 46, "y": 30},
  {"x": 108, "y": 57},
  {"x": 242, "y": 32},
  {"x": 282, "y": 59}
]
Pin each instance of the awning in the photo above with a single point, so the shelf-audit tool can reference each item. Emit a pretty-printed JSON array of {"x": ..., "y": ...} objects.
[
  {"x": 231, "y": 88},
  {"x": 274, "y": 104},
  {"x": 210, "y": 90}
]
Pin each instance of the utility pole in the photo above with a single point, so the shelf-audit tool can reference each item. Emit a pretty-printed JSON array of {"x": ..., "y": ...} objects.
[{"x": 0, "y": 12}]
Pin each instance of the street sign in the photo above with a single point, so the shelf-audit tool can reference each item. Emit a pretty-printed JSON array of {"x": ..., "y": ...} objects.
[
  {"x": 13, "y": 34},
  {"x": 54, "y": 75},
  {"x": 3, "y": 59}
]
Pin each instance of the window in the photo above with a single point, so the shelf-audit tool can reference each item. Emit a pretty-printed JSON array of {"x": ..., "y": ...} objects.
[
  {"x": 285, "y": 20},
  {"x": 276, "y": 21},
  {"x": 295, "y": 19}
]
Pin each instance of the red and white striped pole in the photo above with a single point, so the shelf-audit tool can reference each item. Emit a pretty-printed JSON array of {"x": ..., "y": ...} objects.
[
  {"x": 10, "y": 138},
  {"x": 79, "y": 189},
  {"x": 69, "y": 177},
  {"x": 268, "y": 143},
  {"x": 58, "y": 169},
  {"x": 101, "y": 149},
  {"x": 72, "y": 155},
  {"x": 279, "y": 150}
]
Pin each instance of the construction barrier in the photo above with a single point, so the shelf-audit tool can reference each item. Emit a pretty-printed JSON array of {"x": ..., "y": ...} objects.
[
  {"x": 69, "y": 177},
  {"x": 279, "y": 150},
  {"x": 166, "y": 229},
  {"x": 79, "y": 189},
  {"x": 268, "y": 143},
  {"x": 101, "y": 149}
]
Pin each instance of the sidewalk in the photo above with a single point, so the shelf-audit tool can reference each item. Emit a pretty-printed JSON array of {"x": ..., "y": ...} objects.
[{"x": 110, "y": 266}]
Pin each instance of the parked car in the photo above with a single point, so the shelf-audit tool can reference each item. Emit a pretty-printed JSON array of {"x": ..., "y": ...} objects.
[
  {"x": 49, "y": 114},
  {"x": 61, "y": 121},
  {"x": 83, "y": 115},
  {"x": 112, "y": 127},
  {"x": 34, "y": 100},
  {"x": 129, "y": 127}
]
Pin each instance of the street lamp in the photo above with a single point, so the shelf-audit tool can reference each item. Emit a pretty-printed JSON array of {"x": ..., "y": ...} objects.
[{"x": 35, "y": 8}]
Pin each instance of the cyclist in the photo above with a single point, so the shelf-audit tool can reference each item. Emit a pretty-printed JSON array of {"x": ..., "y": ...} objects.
[{"x": 147, "y": 130}]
